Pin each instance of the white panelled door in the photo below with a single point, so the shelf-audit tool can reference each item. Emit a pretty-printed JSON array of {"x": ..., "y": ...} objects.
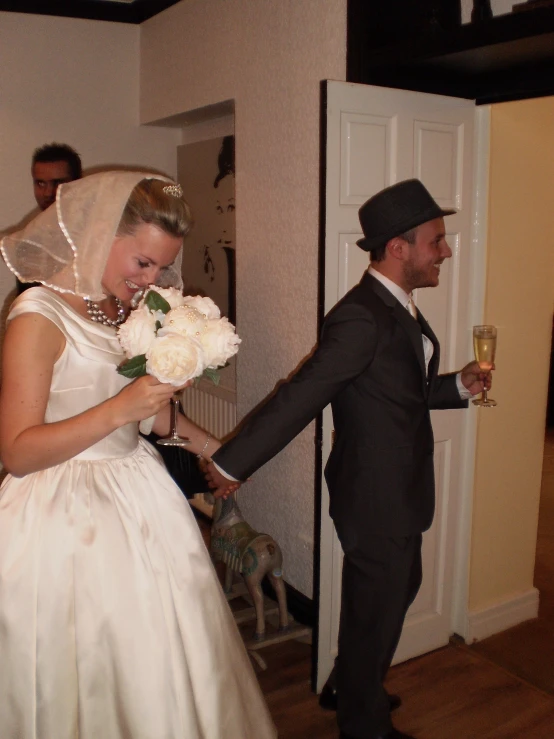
[{"x": 377, "y": 136}]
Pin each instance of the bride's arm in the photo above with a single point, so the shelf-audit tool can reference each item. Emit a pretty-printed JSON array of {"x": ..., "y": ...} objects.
[
  {"x": 31, "y": 347},
  {"x": 201, "y": 442}
]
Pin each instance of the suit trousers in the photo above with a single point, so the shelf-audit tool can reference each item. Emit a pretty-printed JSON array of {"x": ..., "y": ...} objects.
[{"x": 380, "y": 579}]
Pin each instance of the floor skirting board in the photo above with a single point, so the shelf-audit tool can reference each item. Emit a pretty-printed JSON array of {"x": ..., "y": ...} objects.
[{"x": 501, "y": 616}]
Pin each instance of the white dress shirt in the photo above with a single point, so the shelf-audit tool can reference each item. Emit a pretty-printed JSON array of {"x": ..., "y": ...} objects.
[{"x": 403, "y": 298}]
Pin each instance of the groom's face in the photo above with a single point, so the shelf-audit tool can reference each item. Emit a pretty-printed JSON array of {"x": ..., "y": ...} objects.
[{"x": 424, "y": 258}]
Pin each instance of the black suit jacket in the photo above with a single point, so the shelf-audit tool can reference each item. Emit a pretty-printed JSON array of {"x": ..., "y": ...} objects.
[{"x": 369, "y": 364}]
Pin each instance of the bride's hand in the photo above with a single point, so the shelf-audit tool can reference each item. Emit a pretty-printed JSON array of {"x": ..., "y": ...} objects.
[
  {"x": 182, "y": 387},
  {"x": 142, "y": 398}
]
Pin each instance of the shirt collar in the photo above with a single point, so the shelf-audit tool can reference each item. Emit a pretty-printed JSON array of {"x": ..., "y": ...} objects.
[{"x": 402, "y": 297}]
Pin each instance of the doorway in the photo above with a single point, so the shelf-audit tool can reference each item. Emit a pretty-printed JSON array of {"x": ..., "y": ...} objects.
[
  {"x": 517, "y": 296},
  {"x": 377, "y": 136}
]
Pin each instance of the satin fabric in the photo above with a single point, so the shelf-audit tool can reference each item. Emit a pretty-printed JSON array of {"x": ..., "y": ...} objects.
[{"x": 113, "y": 624}]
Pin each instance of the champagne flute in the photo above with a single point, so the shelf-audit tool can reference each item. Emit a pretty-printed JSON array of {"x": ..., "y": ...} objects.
[
  {"x": 173, "y": 439},
  {"x": 484, "y": 346}
]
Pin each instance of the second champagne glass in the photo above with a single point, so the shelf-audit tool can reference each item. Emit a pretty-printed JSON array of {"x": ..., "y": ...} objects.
[{"x": 484, "y": 346}]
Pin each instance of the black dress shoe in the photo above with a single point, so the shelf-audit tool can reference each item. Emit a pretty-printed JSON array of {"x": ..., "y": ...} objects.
[{"x": 328, "y": 699}]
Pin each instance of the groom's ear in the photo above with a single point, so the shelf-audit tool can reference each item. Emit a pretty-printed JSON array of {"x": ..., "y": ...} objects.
[{"x": 396, "y": 247}]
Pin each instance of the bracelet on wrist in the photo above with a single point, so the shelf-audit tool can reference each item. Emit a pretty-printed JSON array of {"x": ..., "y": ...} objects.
[{"x": 208, "y": 439}]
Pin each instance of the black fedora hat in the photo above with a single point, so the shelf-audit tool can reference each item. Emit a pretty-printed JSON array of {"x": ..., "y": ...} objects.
[{"x": 395, "y": 210}]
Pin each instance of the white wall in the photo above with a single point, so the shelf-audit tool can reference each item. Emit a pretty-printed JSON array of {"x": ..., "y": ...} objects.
[
  {"x": 269, "y": 57},
  {"x": 74, "y": 81}
]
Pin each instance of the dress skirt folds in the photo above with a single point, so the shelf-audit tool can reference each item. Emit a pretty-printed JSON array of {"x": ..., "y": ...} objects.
[{"x": 112, "y": 621}]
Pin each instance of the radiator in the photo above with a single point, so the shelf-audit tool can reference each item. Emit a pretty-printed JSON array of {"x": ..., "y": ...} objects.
[{"x": 213, "y": 413}]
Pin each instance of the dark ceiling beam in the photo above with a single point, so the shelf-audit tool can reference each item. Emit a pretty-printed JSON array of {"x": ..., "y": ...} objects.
[
  {"x": 509, "y": 57},
  {"x": 98, "y": 10}
]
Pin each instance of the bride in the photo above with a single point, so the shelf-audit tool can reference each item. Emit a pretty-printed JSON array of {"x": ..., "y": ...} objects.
[{"x": 113, "y": 624}]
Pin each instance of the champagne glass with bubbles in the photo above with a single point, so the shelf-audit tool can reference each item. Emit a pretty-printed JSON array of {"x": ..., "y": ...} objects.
[{"x": 484, "y": 346}]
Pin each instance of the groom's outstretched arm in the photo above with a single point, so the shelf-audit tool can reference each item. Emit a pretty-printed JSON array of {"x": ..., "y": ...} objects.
[{"x": 346, "y": 348}]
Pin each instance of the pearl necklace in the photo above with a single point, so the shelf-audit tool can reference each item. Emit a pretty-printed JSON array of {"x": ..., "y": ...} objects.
[{"x": 97, "y": 314}]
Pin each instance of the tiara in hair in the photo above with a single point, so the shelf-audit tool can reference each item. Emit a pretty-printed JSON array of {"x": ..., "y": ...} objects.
[{"x": 175, "y": 190}]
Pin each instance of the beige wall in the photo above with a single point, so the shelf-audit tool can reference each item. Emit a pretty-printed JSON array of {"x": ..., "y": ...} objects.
[
  {"x": 519, "y": 300},
  {"x": 75, "y": 81},
  {"x": 269, "y": 57}
]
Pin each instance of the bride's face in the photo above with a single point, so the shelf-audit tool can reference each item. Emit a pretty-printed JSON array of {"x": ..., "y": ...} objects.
[{"x": 136, "y": 260}]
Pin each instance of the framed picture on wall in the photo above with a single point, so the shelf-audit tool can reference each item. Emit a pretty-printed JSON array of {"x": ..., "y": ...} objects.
[{"x": 207, "y": 176}]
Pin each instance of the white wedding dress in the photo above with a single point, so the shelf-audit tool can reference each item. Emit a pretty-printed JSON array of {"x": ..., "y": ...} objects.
[{"x": 112, "y": 621}]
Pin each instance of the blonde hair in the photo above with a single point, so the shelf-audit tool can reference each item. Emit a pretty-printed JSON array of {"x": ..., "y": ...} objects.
[{"x": 148, "y": 203}]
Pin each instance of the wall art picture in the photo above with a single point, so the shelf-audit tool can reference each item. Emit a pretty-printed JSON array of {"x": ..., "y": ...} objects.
[{"x": 206, "y": 171}]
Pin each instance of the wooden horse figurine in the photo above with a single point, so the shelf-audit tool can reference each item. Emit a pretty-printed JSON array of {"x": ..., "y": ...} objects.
[{"x": 250, "y": 553}]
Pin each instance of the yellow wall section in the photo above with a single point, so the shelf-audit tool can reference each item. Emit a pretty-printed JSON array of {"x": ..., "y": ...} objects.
[{"x": 519, "y": 300}]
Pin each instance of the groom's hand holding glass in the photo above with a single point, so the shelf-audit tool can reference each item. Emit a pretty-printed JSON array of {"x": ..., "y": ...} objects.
[{"x": 474, "y": 379}]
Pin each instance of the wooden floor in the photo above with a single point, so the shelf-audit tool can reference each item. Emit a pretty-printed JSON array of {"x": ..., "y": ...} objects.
[
  {"x": 452, "y": 693},
  {"x": 500, "y": 688}
]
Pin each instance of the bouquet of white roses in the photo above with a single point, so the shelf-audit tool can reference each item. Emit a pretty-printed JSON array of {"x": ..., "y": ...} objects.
[{"x": 176, "y": 338}]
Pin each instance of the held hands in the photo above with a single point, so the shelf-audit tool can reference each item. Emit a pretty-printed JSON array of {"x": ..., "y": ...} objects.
[
  {"x": 474, "y": 379},
  {"x": 220, "y": 485}
]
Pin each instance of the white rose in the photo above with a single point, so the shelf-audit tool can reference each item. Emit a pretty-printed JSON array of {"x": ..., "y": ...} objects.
[
  {"x": 206, "y": 306},
  {"x": 175, "y": 359},
  {"x": 138, "y": 332},
  {"x": 184, "y": 320},
  {"x": 173, "y": 296},
  {"x": 220, "y": 342}
]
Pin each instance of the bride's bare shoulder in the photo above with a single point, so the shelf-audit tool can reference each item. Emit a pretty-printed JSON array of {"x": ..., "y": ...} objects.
[{"x": 32, "y": 332}]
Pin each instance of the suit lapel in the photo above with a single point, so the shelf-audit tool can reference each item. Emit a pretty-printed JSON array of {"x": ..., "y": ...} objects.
[
  {"x": 414, "y": 330},
  {"x": 410, "y": 326}
]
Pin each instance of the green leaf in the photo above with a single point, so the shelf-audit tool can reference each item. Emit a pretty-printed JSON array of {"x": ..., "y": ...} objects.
[
  {"x": 158, "y": 326},
  {"x": 135, "y": 367},
  {"x": 212, "y": 375},
  {"x": 154, "y": 301}
]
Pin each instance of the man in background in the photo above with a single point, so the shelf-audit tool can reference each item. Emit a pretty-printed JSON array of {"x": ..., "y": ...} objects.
[{"x": 52, "y": 165}]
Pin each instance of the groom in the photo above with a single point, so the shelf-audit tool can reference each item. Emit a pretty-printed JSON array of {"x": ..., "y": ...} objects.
[{"x": 377, "y": 364}]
